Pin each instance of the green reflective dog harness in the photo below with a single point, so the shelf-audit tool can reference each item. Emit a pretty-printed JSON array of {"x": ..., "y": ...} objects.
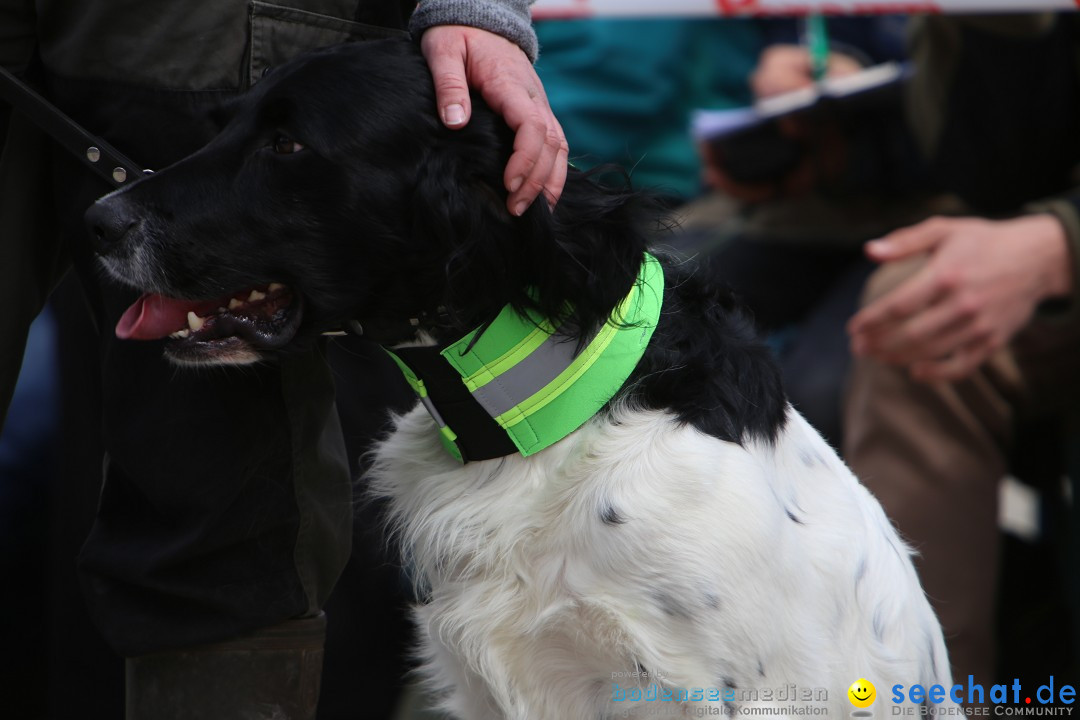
[{"x": 536, "y": 383}]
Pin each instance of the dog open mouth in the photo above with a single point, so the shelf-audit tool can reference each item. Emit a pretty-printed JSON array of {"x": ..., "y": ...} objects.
[{"x": 232, "y": 328}]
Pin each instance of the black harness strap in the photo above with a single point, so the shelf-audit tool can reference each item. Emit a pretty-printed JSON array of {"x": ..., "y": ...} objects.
[{"x": 479, "y": 436}]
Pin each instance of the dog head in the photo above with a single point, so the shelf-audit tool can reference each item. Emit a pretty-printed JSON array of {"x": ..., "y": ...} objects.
[{"x": 332, "y": 193}]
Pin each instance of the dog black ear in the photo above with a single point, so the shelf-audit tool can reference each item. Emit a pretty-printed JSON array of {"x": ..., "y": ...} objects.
[{"x": 459, "y": 213}]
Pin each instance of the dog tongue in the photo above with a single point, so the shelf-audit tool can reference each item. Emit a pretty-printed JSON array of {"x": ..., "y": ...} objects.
[{"x": 152, "y": 317}]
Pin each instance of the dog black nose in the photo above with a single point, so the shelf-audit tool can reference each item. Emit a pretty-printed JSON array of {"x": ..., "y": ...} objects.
[{"x": 108, "y": 221}]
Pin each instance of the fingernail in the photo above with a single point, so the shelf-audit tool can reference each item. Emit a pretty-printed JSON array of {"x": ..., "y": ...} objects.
[
  {"x": 454, "y": 114},
  {"x": 516, "y": 183},
  {"x": 520, "y": 208}
]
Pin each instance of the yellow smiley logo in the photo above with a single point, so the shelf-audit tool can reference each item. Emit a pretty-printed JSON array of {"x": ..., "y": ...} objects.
[{"x": 862, "y": 693}]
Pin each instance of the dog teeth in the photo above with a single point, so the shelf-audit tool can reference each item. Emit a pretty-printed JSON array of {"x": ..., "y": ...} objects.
[
  {"x": 274, "y": 287},
  {"x": 235, "y": 303},
  {"x": 180, "y": 334},
  {"x": 195, "y": 323},
  {"x": 256, "y": 295}
]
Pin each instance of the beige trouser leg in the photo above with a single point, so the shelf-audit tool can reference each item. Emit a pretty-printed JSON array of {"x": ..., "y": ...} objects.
[{"x": 933, "y": 454}]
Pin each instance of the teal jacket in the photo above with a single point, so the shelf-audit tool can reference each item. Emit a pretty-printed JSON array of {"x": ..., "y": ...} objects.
[{"x": 623, "y": 90}]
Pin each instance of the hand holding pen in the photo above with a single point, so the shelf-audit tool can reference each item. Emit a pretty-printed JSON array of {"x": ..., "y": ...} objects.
[{"x": 787, "y": 67}]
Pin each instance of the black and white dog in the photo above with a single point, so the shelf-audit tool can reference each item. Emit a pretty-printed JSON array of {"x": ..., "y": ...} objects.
[{"x": 694, "y": 547}]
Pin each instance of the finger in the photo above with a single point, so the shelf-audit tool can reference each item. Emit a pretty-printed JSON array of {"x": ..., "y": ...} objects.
[
  {"x": 778, "y": 82},
  {"x": 958, "y": 366},
  {"x": 445, "y": 55},
  {"x": 932, "y": 333},
  {"x": 908, "y": 241},
  {"x": 537, "y": 165},
  {"x": 781, "y": 68},
  {"x": 557, "y": 180},
  {"x": 896, "y": 307},
  {"x": 841, "y": 65},
  {"x": 950, "y": 338}
]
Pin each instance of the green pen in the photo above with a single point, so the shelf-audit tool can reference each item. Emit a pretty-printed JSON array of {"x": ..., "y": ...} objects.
[{"x": 816, "y": 38}]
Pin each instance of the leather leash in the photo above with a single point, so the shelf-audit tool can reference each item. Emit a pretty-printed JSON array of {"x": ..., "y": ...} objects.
[{"x": 99, "y": 156}]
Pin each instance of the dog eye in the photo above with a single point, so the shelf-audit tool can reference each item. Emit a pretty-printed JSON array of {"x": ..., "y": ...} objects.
[{"x": 285, "y": 145}]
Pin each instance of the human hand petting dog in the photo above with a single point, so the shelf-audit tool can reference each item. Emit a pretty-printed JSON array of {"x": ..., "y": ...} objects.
[
  {"x": 979, "y": 286},
  {"x": 461, "y": 57}
]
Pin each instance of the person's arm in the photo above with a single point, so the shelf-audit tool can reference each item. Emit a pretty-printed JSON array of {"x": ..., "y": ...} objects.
[
  {"x": 983, "y": 280},
  {"x": 489, "y": 45},
  {"x": 507, "y": 18},
  {"x": 1066, "y": 210}
]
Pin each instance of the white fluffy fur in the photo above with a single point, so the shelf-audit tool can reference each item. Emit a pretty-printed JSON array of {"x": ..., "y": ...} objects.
[{"x": 534, "y": 604}]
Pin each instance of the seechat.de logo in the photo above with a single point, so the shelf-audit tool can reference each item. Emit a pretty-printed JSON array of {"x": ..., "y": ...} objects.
[{"x": 1003, "y": 699}]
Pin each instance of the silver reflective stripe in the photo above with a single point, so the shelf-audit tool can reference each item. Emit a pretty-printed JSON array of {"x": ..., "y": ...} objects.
[
  {"x": 529, "y": 376},
  {"x": 430, "y": 407}
]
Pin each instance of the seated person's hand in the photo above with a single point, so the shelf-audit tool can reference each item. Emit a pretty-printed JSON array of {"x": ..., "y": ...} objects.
[
  {"x": 464, "y": 57},
  {"x": 980, "y": 285},
  {"x": 784, "y": 68},
  {"x": 804, "y": 153}
]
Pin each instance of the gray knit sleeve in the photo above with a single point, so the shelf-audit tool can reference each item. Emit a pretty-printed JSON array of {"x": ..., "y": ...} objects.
[{"x": 509, "y": 18}]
